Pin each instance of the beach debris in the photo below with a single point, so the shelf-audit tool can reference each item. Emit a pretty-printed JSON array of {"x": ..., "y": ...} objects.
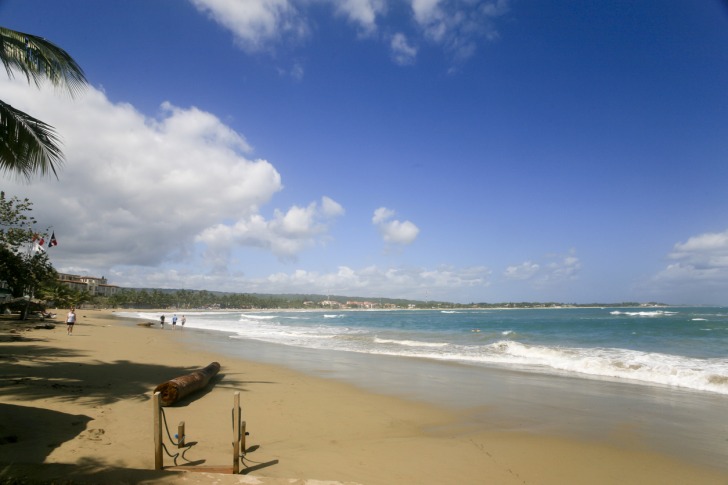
[
  {"x": 47, "y": 326},
  {"x": 179, "y": 387},
  {"x": 145, "y": 324}
]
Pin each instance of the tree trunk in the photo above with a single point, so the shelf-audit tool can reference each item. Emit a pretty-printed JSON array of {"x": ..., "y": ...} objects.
[{"x": 179, "y": 387}]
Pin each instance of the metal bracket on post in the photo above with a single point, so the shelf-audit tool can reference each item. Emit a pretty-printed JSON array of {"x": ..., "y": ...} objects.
[
  {"x": 181, "y": 434},
  {"x": 242, "y": 439}
]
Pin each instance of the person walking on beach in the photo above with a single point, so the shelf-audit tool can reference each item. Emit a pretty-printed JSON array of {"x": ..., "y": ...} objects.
[
  {"x": 161, "y": 320},
  {"x": 174, "y": 321},
  {"x": 183, "y": 320},
  {"x": 70, "y": 321}
]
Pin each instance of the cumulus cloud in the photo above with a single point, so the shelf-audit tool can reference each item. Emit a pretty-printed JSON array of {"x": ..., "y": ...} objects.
[
  {"x": 556, "y": 268},
  {"x": 394, "y": 231},
  {"x": 285, "y": 235},
  {"x": 706, "y": 251},
  {"x": 142, "y": 191},
  {"x": 457, "y": 26},
  {"x": 698, "y": 270}
]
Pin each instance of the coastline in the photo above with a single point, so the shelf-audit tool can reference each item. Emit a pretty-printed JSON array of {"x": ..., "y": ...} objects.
[{"x": 89, "y": 399}]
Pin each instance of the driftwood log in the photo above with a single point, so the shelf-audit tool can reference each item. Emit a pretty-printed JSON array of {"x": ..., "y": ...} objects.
[{"x": 179, "y": 387}]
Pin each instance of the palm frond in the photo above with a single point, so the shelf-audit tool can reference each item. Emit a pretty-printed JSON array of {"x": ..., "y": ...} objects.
[
  {"x": 39, "y": 59},
  {"x": 27, "y": 145}
]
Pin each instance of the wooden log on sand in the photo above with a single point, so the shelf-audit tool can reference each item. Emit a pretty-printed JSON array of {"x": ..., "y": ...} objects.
[{"x": 179, "y": 387}]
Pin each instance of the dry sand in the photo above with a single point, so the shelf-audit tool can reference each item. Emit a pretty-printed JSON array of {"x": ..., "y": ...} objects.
[{"x": 78, "y": 409}]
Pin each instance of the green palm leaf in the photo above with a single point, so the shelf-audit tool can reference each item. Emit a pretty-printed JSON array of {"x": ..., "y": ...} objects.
[
  {"x": 28, "y": 145},
  {"x": 39, "y": 59}
]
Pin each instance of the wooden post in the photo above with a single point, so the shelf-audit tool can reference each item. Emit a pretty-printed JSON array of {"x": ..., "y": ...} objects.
[
  {"x": 236, "y": 433},
  {"x": 181, "y": 434},
  {"x": 157, "y": 432}
]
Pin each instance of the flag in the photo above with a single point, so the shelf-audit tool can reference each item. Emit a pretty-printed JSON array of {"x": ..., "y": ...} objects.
[
  {"x": 53, "y": 241},
  {"x": 38, "y": 243}
]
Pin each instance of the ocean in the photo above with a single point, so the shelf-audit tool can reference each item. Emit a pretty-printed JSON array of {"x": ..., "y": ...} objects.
[{"x": 661, "y": 373}]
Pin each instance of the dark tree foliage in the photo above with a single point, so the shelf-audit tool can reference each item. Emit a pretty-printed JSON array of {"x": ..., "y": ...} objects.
[{"x": 22, "y": 269}]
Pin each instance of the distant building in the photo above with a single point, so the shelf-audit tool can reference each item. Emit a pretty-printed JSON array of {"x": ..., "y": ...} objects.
[
  {"x": 91, "y": 284},
  {"x": 360, "y": 304}
]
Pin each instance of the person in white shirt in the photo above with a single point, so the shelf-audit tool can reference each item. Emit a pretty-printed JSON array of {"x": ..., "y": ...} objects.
[{"x": 71, "y": 321}]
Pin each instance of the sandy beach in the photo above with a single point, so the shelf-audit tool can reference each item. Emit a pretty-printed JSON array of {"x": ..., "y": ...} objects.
[{"x": 78, "y": 409}]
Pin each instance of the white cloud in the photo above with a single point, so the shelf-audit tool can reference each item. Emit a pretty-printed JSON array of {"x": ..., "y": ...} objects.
[
  {"x": 361, "y": 12},
  {"x": 330, "y": 207},
  {"x": 394, "y": 231},
  {"x": 142, "y": 191},
  {"x": 430, "y": 16},
  {"x": 557, "y": 269},
  {"x": 446, "y": 283},
  {"x": 523, "y": 271},
  {"x": 402, "y": 52},
  {"x": 285, "y": 235},
  {"x": 458, "y": 25},
  {"x": 455, "y": 26},
  {"x": 256, "y": 24},
  {"x": 698, "y": 273},
  {"x": 381, "y": 215},
  {"x": 706, "y": 251}
]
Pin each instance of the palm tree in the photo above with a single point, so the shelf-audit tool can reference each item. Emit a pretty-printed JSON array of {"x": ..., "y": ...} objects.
[{"x": 28, "y": 145}]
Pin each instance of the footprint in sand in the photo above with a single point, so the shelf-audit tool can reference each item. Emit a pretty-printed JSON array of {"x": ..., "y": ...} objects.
[{"x": 95, "y": 434}]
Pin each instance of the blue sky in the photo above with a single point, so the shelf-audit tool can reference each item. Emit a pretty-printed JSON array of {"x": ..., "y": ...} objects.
[{"x": 469, "y": 151}]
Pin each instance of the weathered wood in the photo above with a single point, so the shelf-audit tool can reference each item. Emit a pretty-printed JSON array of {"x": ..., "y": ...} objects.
[
  {"x": 157, "y": 432},
  {"x": 236, "y": 432},
  {"x": 179, "y": 387}
]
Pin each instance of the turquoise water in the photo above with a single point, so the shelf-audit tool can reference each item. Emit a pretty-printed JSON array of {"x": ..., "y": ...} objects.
[{"x": 681, "y": 347}]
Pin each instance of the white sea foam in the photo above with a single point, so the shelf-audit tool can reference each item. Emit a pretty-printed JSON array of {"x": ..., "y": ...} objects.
[
  {"x": 657, "y": 368},
  {"x": 410, "y": 343},
  {"x": 156, "y": 315},
  {"x": 656, "y": 313},
  {"x": 334, "y": 316}
]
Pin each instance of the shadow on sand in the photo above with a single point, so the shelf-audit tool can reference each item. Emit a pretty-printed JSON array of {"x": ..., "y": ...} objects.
[
  {"x": 31, "y": 372},
  {"x": 92, "y": 471}
]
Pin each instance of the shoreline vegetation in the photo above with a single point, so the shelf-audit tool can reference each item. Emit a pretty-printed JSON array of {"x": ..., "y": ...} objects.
[
  {"x": 77, "y": 409},
  {"x": 155, "y": 298}
]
